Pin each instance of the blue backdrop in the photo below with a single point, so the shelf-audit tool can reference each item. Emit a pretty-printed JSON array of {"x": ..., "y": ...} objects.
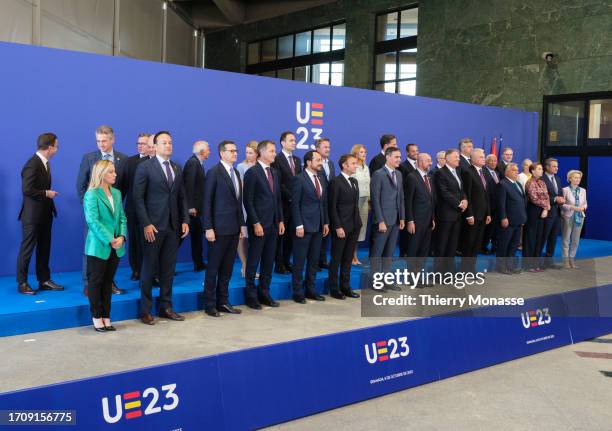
[{"x": 72, "y": 93}]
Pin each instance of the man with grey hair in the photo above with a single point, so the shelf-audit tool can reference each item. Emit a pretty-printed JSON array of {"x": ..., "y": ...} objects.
[
  {"x": 465, "y": 147},
  {"x": 194, "y": 178},
  {"x": 440, "y": 162},
  {"x": 105, "y": 139}
]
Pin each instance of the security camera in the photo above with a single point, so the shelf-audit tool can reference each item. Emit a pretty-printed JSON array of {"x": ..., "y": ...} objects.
[{"x": 548, "y": 57}]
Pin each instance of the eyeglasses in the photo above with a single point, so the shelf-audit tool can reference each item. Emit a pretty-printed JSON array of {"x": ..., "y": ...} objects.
[{"x": 232, "y": 151}]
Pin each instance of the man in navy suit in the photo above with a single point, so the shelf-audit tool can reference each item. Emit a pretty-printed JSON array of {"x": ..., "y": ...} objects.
[
  {"x": 163, "y": 214},
  {"x": 345, "y": 226},
  {"x": 105, "y": 139},
  {"x": 310, "y": 218},
  {"x": 388, "y": 211},
  {"x": 264, "y": 208},
  {"x": 193, "y": 175},
  {"x": 493, "y": 178},
  {"x": 326, "y": 174},
  {"x": 552, "y": 222},
  {"x": 512, "y": 215},
  {"x": 380, "y": 159},
  {"x": 223, "y": 222},
  {"x": 288, "y": 166}
]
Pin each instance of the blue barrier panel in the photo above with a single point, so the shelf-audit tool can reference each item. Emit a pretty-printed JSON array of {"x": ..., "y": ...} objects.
[{"x": 591, "y": 312}]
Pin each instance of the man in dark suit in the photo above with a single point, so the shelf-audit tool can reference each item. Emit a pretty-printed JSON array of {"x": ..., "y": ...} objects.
[
  {"x": 105, "y": 139},
  {"x": 387, "y": 197},
  {"x": 478, "y": 213},
  {"x": 224, "y": 225},
  {"x": 506, "y": 157},
  {"x": 310, "y": 218},
  {"x": 326, "y": 174},
  {"x": 512, "y": 215},
  {"x": 193, "y": 176},
  {"x": 406, "y": 168},
  {"x": 465, "y": 148},
  {"x": 380, "y": 160},
  {"x": 552, "y": 222},
  {"x": 345, "y": 225},
  {"x": 492, "y": 177},
  {"x": 451, "y": 202},
  {"x": 264, "y": 208},
  {"x": 135, "y": 233},
  {"x": 36, "y": 216},
  {"x": 288, "y": 166},
  {"x": 162, "y": 212}
]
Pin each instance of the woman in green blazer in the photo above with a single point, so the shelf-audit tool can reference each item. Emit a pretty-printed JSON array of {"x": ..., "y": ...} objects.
[{"x": 105, "y": 240}]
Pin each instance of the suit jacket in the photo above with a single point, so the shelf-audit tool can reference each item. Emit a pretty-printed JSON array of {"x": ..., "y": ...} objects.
[
  {"x": 222, "y": 206},
  {"x": 262, "y": 205},
  {"x": 511, "y": 203},
  {"x": 492, "y": 188},
  {"x": 387, "y": 199},
  {"x": 87, "y": 162},
  {"x": 155, "y": 202},
  {"x": 501, "y": 169},
  {"x": 103, "y": 222},
  {"x": 406, "y": 169},
  {"x": 448, "y": 195},
  {"x": 463, "y": 163},
  {"x": 132, "y": 164},
  {"x": 332, "y": 174},
  {"x": 570, "y": 201},
  {"x": 476, "y": 194},
  {"x": 193, "y": 177},
  {"x": 35, "y": 180},
  {"x": 420, "y": 202},
  {"x": 306, "y": 209},
  {"x": 344, "y": 204},
  {"x": 282, "y": 165},
  {"x": 555, "y": 208},
  {"x": 377, "y": 162}
]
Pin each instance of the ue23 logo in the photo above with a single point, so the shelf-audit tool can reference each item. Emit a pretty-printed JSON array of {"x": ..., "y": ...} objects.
[{"x": 131, "y": 403}]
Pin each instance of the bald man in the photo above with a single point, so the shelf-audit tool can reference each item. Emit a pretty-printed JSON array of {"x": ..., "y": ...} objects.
[{"x": 193, "y": 178}]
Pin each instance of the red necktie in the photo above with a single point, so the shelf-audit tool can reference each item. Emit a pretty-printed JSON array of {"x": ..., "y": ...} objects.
[
  {"x": 292, "y": 165},
  {"x": 317, "y": 187},
  {"x": 270, "y": 180},
  {"x": 427, "y": 183}
]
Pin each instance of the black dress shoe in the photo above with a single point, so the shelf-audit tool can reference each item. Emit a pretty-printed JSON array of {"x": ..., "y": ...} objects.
[
  {"x": 135, "y": 276},
  {"x": 147, "y": 319},
  {"x": 337, "y": 295},
  {"x": 316, "y": 297},
  {"x": 156, "y": 282},
  {"x": 299, "y": 300},
  {"x": 288, "y": 267},
  {"x": 102, "y": 329},
  {"x": 212, "y": 312},
  {"x": 110, "y": 328},
  {"x": 26, "y": 289},
  {"x": 198, "y": 268},
  {"x": 269, "y": 302},
  {"x": 116, "y": 290},
  {"x": 281, "y": 270},
  {"x": 50, "y": 285},
  {"x": 227, "y": 308},
  {"x": 350, "y": 294},
  {"x": 324, "y": 265},
  {"x": 169, "y": 313},
  {"x": 254, "y": 305}
]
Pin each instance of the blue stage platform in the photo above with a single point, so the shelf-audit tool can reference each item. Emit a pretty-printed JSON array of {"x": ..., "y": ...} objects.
[{"x": 21, "y": 314}]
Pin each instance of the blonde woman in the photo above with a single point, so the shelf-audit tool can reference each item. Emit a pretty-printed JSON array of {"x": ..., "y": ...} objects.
[
  {"x": 573, "y": 212},
  {"x": 105, "y": 240},
  {"x": 249, "y": 161},
  {"x": 362, "y": 175},
  {"x": 526, "y": 174}
]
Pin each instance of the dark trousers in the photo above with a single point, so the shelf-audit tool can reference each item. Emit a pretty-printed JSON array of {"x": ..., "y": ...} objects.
[
  {"x": 472, "y": 237},
  {"x": 159, "y": 258},
  {"x": 447, "y": 238},
  {"x": 135, "y": 240},
  {"x": 507, "y": 243},
  {"x": 383, "y": 247},
  {"x": 533, "y": 237},
  {"x": 552, "y": 224},
  {"x": 305, "y": 252},
  {"x": 100, "y": 274},
  {"x": 35, "y": 235},
  {"x": 195, "y": 235},
  {"x": 404, "y": 239},
  {"x": 221, "y": 256},
  {"x": 419, "y": 244},
  {"x": 342, "y": 250},
  {"x": 490, "y": 233},
  {"x": 323, "y": 253},
  {"x": 261, "y": 253},
  {"x": 284, "y": 243}
]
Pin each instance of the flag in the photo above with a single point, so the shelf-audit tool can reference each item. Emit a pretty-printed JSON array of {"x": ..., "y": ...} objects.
[{"x": 494, "y": 145}]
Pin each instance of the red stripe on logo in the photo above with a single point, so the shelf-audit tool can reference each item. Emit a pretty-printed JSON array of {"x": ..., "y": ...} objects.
[
  {"x": 131, "y": 395},
  {"x": 317, "y": 122},
  {"x": 317, "y": 106},
  {"x": 134, "y": 414},
  {"x": 381, "y": 343},
  {"x": 534, "y": 324},
  {"x": 532, "y": 313},
  {"x": 383, "y": 358}
]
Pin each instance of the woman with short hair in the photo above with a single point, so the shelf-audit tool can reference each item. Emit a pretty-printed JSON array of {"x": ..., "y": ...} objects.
[
  {"x": 573, "y": 212},
  {"x": 105, "y": 242},
  {"x": 538, "y": 205}
]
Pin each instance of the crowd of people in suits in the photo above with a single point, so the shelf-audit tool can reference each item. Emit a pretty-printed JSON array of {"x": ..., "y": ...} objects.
[{"x": 277, "y": 212}]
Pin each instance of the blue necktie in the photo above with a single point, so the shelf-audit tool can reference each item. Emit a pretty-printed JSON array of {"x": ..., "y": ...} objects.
[{"x": 168, "y": 174}]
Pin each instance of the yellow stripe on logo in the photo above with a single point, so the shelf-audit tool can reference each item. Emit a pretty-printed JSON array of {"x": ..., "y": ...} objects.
[
  {"x": 132, "y": 405},
  {"x": 383, "y": 350},
  {"x": 317, "y": 114},
  {"x": 532, "y": 318}
]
